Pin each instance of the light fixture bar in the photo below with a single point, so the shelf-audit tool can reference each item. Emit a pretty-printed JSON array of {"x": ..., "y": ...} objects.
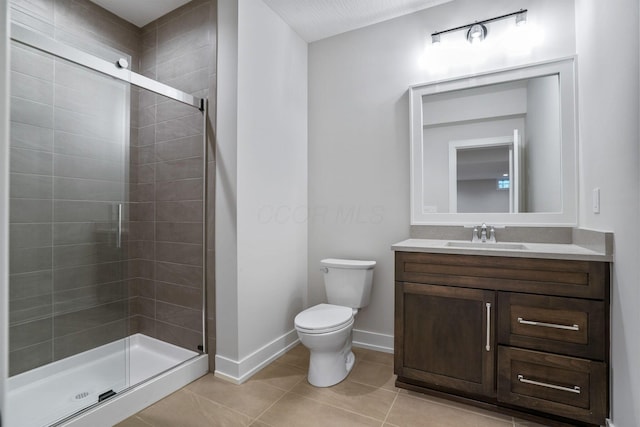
[{"x": 497, "y": 18}]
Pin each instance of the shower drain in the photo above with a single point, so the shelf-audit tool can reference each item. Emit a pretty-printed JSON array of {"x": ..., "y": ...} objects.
[{"x": 82, "y": 395}]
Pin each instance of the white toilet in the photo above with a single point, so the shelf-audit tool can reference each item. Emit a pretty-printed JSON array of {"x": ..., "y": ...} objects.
[{"x": 325, "y": 329}]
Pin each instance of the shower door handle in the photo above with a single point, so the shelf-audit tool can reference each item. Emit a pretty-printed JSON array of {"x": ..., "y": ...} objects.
[{"x": 119, "y": 230}]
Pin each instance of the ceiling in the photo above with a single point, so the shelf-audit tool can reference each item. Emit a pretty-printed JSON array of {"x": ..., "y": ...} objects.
[
  {"x": 318, "y": 19},
  {"x": 140, "y": 12},
  {"x": 311, "y": 19}
]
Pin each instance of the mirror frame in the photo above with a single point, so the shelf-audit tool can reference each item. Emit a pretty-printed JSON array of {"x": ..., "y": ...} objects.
[{"x": 568, "y": 216}]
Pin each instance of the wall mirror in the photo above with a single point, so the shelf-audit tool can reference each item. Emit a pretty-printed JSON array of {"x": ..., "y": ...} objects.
[{"x": 498, "y": 147}]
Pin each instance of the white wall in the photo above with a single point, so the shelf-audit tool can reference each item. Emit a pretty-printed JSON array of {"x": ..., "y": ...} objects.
[
  {"x": 608, "y": 75},
  {"x": 259, "y": 296},
  {"x": 4, "y": 200},
  {"x": 359, "y": 130}
]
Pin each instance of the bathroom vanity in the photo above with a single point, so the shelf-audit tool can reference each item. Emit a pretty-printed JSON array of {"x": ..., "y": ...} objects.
[{"x": 523, "y": 331}]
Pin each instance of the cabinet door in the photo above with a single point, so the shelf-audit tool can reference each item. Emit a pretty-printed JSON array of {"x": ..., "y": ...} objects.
[{"x": 445, "y": 337}]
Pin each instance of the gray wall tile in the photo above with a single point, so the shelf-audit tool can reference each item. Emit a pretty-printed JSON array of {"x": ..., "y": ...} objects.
[
  {"x": 31, "y": 88},
  {"x": 29, "y": 186},
  {"x": 174, "y": 170},
  {"x": 179, "y": 274},
  {"x": 30, "y": 284},
  {"x": 180, "y": 253},
  {"x": 30, "y": 357},
  {"x": 179, "y": 295},
  {"x": 31, "y": 161},
  {"x": 30, "y": 333},
  {"x": 90, "y": 296},
  {"x": 180, "y": 316},
  {"x": 30, "y": 236},
  {"x": 30, "y": 210},
  {"x": 31, "y": 137},
  {"x": 86, "y": 275},
  {"x": 84, "y": 254},
  {"x": 71, "y": 344},
  {"x": 30, "y": 309},
  {"x": 29, "y": 259},
  {"x": 83, "y": 211},
  {"x": 186, "y": 189},
  {"x": 88, "y": 189},
  {"x": 31, "y": 113},
  {"x": 188, "y": 210},
  {"x": 81, "y": 320},
  {"x": 183, "y": 148},
  {"x": 179, "y": 128},
  {"x": 31, "y": 62},
  {"x": 181, "y": 232}
]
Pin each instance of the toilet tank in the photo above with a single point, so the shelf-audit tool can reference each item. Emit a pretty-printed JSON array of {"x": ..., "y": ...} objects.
[{"x": 348, "y": 282}]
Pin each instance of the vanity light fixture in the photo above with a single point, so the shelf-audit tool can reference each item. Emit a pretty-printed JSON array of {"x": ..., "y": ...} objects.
[{"x": 477, "y": 31}]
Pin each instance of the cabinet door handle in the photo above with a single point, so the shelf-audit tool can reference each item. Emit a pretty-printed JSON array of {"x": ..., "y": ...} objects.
[
  {"x": 488, "y": 346},
  {"x": 575, "y": 389},
  {"x": 548, "y": 325}
]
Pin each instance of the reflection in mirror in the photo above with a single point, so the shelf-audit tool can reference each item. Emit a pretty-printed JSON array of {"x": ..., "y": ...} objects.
[
  {"x": 501, "y": 144},
  {"x": 531, "y": 108},
  {"x": 484, "y": 175}
]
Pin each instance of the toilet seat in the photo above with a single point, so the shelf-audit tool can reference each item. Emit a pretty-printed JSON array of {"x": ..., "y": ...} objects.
[{"x": 324, "y": 318}]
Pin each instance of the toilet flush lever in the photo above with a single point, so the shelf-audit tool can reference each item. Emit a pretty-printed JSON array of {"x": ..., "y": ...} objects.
[{"x": 324, "y": 269}]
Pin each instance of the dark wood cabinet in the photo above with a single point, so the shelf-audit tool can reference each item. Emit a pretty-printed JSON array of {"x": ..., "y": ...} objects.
[
  {"x": 447, "y": 338},
  {"x": 524, "y": 336}
]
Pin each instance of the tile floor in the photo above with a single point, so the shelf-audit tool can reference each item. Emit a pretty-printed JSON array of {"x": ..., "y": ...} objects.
[{"x": 280, "y": 395}]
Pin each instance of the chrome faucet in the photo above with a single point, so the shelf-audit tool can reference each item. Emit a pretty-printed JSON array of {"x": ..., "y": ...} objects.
[
  {"x": 475, "y": 238},
  {"x": 482, "y": 236}
]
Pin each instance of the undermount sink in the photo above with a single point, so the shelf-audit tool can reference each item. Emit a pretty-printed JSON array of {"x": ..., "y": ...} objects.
[{"x": 487, "y": 245}]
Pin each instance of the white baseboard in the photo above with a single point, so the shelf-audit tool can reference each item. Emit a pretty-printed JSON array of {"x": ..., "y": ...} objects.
[
  {"x": 609, "y": 423},
  {"x": 373, "y": 341},
  {"x": 239, "y": 371}
]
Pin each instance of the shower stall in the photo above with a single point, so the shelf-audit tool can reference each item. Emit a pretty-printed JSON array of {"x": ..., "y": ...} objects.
[{"x": 107, "y": 223}]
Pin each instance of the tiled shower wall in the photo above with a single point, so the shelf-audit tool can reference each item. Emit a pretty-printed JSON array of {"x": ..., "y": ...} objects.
[
  {"x": 63, "y": 298},
  {"x": 167, "y": 170}
]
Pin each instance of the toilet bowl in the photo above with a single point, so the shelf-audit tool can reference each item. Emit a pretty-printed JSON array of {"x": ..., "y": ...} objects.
[{"x": 326, "y": 329}]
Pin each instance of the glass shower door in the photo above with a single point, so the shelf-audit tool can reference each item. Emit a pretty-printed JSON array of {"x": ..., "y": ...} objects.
[{"x": 68, "y": 215}]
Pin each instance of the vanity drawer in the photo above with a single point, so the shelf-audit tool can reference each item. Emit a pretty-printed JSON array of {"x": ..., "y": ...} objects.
[
  {"x": 581, "y": 279},
  {"x": 564, "y": 386},
  {"x": 568, "y": 326}
]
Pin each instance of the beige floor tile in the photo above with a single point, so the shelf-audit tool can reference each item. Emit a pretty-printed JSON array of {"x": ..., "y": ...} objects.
[
  {"x": 373, "y": 374},
  {"x": 373, "y": 356},
  {"x": 294, "y": 410},
  {"x": 410, "y": 411},
  {"x": 456, "y": 405},
  {"x": 133, "y": 421},
  {"x": 187, "y": 409},
  {"x": 298, "y": 356},
  {"x": 362, "y": 399},
  {"x": 281, "y": 376},
  {"x": 250, "y": 398}
]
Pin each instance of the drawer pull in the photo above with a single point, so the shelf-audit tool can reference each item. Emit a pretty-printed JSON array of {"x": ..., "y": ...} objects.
[
  {"x": 488, "y": 346},
  {"x": 575, "y": 389},
  {"x": 548, "y": 325}
]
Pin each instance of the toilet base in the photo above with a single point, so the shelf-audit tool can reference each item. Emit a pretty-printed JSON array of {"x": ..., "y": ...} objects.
[{"x": 330, "y": 368}]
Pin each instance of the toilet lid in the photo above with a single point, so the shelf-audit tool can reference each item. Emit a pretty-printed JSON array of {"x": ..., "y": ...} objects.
[{"x": 323, "y": 318}]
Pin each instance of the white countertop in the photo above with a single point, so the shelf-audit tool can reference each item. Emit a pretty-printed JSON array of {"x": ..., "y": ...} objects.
[{"x": 531, "y": 250}]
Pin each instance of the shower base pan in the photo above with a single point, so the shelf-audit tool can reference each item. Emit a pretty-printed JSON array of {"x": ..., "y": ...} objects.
[{"x": 45, "y": 396}]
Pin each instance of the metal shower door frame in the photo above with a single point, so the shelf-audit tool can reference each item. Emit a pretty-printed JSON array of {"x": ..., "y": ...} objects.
[{"x": 28, "y": 37}]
